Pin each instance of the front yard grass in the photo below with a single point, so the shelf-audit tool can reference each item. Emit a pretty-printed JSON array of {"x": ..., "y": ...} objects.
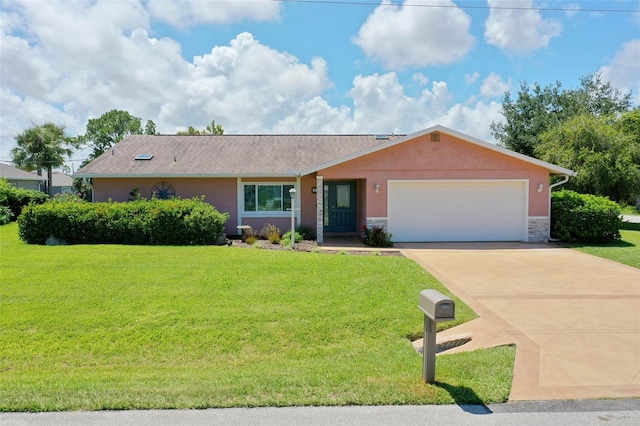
[
  {"x": 626, "y": 250},
  {"x": 99, "y": 327}
]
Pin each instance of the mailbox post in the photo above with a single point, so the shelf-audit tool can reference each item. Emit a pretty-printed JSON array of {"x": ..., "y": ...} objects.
[{"x": 436, "y": 308}]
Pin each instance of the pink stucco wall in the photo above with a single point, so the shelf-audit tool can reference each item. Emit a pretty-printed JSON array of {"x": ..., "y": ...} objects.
[
  {"x": 221, "y": 193},
  {"x": 450, "y": 158}
]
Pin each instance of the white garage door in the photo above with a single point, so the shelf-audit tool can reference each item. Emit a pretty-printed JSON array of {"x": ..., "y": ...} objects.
[{"x": 420, "y": 211}]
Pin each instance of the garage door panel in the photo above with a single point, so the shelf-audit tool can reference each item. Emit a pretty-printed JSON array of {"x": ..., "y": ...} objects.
[{"x": 456, "y": 211}]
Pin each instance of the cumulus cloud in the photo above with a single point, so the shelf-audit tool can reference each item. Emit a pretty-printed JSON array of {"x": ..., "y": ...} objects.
[
  {"x": 189, "y": 13},
  {"x": 70, "y": 61},
  {"x": 493, "y": 86},
  {"x": 402, "y": 36},
  {"x": 471, "y": 78},
  {"x": 518, "y": 30},
  {"x": 624, "y": 70},
  {"x": 474, "y": 120}
]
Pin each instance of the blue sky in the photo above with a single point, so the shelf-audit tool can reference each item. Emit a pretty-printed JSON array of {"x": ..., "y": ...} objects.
[{"x": 301, "y": 67}]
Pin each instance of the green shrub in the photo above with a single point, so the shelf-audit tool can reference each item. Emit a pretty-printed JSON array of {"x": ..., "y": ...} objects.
[
  {"x": 286, "y": 238},
  {"x": 5, "y": 215},
  {"x": 584, "y": 218},
  {"x": 15, "y": 198},
  {"x": 306, "y": 232},
  {"x": 376, "y": 237},
  {"x": 157, "y": 222}
]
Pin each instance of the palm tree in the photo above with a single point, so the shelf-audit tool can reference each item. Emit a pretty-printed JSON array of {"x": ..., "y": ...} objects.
[{"x": 42, "y": 147}]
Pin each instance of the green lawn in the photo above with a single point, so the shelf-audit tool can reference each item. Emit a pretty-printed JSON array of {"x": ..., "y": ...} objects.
[
  {"x": 626, "y": 250},
  {"x": 98, "y": 327}
]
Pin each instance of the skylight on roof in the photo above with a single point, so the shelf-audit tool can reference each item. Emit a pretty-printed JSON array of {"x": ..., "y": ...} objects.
[
  {"x": 382, "y": 137},
  {"x": 144, "y": 157}
]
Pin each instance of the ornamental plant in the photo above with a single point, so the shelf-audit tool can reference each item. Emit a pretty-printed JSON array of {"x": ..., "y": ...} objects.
[{"x": 376, "y": 236}]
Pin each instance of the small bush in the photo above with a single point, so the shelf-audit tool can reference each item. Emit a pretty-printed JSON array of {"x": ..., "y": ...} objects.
[
  {"x": 306, "y": 232},
  {"x": 584, "y": 218},
  {"x": 157, "y": 222},
  {"x": 376, "y": 237},
  {"x": 5, "y": 215},
  {"x": 271, "y": 233},
  {"x": 286, "y": 239},
  {"x": 68, "y": 197},
  {"x": 15, "y": 198}
]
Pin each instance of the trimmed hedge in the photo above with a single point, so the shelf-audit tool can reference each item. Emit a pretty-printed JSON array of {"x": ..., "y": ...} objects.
[
  {"x": 140, "y": 222},
  {"x": 14, "y": 198},
  {"x": 584, "y": 218}
]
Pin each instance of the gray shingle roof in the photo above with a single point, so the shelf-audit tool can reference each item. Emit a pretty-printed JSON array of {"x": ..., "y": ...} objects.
[
  {"x": 14, "y": 173},
  {"x": 226, "y": 155},
  {"x": 256, "y": 155}
]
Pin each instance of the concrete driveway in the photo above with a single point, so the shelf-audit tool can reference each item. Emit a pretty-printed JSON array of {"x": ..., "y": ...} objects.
[{"x": 575, "y": 318}]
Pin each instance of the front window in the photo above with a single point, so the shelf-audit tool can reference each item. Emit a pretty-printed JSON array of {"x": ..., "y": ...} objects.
[{"x": 267, "y": 198}]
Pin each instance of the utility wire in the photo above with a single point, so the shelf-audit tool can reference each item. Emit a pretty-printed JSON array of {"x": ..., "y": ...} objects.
[{"x": 570, "y": 7}]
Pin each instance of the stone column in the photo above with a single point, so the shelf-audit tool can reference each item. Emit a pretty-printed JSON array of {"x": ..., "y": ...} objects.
[{"x": 319, "y": 209}]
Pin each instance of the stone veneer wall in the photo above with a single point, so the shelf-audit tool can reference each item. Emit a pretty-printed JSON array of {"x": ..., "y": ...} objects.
[
  {"x": 319, "y": 209},
  {"x": 377, "y": 221},
  {"x": 538, "y": 229}
]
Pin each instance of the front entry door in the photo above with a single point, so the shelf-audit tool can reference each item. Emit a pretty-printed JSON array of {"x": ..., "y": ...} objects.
[{"x": 340, "y": 207}]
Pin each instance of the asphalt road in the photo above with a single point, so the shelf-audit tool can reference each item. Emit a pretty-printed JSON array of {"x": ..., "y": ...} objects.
[{"x": 566, "y": 413}]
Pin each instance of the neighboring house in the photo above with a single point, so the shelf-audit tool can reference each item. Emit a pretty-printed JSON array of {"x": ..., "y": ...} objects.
[
  {"x": 20, "y": 178},
  {"x": 433, "y": 185},
  {"x": 61, "y": 183}
]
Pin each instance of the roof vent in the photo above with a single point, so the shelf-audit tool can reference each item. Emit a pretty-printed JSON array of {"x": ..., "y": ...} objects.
[
  {"x": 435, "y": 137},
  {"x": 382, "y": 137},
  {"x": 144, "y": 157}
]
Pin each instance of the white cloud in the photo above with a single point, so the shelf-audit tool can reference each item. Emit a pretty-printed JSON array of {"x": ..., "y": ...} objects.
[
  {"x": 493, "y": 86},
  {"x": 518, "y": 31},
  {"x": 420, "y": 78},
  {"x": 471, "y": 78},
  {"x": 474, "y": 120},
  {"x": 624, "y": 70},
  {"x": 189, "y": 13},
  {"x": 70, "y": 61},
  {"x": 404, "y": 36}
]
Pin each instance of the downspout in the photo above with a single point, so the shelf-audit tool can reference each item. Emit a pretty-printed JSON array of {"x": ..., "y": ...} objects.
[{"x": 565, "y": 180}]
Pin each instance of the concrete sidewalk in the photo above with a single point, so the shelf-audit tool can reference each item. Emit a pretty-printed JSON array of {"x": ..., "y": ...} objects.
[{"x": 575, "y": 318}]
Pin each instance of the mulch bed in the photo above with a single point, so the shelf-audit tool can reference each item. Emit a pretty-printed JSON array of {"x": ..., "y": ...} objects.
[{"x": 309, "y": 246}]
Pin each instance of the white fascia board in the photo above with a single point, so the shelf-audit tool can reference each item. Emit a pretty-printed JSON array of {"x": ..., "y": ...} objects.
[{"x": 557, "y": 170}]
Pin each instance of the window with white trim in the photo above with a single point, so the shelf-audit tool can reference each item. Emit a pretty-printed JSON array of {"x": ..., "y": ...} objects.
[{"x": 267, "y": 198}]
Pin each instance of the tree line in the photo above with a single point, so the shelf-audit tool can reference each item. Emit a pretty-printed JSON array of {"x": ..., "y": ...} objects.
[{"x": 592, "y": 130}]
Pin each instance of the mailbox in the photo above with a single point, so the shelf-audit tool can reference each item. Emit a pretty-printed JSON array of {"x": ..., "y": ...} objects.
[{"x": 437, "y": 306}]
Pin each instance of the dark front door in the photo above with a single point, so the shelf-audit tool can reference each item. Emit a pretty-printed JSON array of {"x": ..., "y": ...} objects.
[{"x": 340, "y": 207}]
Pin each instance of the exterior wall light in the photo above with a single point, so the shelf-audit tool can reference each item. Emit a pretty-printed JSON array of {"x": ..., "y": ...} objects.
[
  {"x": 376, "y": 187},
  {"x": 540, "y": 187}
]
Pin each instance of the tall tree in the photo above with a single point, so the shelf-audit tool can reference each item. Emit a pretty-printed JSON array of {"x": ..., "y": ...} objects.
[
  {"x": 606, "y": 158},
  {"x": 109, "y": 129},
  {"x": 538, "y": 109},
  {"x": 43, "y": 147},
  {"x": 211, "y": 129},
  {"x": 150, "y": 128}
]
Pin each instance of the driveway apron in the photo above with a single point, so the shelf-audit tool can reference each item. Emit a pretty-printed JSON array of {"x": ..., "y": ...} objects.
[{"x": 575, "y": 318}]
